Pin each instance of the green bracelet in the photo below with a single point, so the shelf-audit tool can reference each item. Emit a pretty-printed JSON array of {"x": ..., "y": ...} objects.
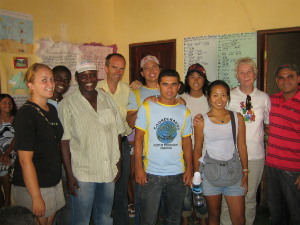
[{"x": 246, "y": 171}]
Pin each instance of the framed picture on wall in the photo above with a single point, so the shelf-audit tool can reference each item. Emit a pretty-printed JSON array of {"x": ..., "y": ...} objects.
[{"x": 20, "y": 62}]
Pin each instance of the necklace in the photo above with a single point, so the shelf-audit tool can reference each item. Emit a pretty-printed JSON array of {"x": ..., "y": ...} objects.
[{"x": 222, "y": 120}]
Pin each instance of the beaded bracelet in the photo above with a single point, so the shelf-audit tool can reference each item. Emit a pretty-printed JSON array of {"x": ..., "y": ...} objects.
[{"x": 246, "y": 171}]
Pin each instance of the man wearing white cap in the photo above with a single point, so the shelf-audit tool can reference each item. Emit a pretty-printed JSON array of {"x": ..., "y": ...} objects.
[
  {"x": 90, "y": 147},
  {"x": 149, "y": 72}
]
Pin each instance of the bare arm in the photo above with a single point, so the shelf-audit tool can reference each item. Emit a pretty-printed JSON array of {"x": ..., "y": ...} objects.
[
  {"x": 131, "y": 117},
  {"x": 119, "y": 163},
  {"x": 187, "y": 151},
  {"x": 66, "y": 158},
  {"x": 132, "y": 114},
  {"x": 31, "y": 182},
  {"x": 140, "y": 174},
  {"x": 197, "y": 120},
  {"x": 242, "y": 148},
  {"x": 199, "y": 137},
  {"x": 5, "y": 158}
]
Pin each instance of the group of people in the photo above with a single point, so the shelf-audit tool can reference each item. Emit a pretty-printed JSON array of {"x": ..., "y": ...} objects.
[{"x": 209, "y": 128}]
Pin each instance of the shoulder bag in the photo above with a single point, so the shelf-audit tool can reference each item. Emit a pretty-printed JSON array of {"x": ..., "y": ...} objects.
[{"x": 224, "y": 173}]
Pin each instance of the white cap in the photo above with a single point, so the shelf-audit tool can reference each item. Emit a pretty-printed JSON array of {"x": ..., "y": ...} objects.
[
  {"x": 85, "y": 65},
  {"x": 148, "y": 58},
  {"x": 197, "y": 178}
]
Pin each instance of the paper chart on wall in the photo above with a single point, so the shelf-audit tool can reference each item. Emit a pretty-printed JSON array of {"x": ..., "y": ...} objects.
[
  {"x": 97, "y": 54},
  {"x": 16, "y": 32},
  {"x": 67, "y": 54},
  {"x": 203, "y": 50},
  {"x": 231, "y": 47},
  {"x": 218, "y": 54},
  {"x": 61, "y": 53}
]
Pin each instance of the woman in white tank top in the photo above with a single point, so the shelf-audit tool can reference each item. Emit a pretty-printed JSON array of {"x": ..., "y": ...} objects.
[{"x": 215, "y": 131}]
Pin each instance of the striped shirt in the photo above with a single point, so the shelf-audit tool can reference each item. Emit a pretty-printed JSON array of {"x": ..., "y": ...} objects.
[
  {"x": 284, "y": 133},
  {"x": 93, "y": 136}
]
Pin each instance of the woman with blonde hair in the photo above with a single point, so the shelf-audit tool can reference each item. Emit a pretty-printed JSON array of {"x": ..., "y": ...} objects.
[
  {"x": 38, "y": 131},
  {"x": 255, "y": 106}
]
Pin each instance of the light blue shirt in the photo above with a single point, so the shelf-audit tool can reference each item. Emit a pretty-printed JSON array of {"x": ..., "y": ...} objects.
[{"x": 164, "y": 127}]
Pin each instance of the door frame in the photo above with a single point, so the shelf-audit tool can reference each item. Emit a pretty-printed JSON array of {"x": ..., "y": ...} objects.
[
  {"x": 132, "y": 47},
  {"x": 262, "y": 44}
]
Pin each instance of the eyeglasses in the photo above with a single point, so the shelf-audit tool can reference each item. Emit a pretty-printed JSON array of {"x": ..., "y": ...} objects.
[{"x": 248, "y": 102}]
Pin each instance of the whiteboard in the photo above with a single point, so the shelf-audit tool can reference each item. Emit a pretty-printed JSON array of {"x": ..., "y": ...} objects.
[{"x": 218, "y": 54}]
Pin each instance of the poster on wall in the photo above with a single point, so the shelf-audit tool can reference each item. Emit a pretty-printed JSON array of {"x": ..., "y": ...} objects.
[
  {"x": 60, "y": 53},
  {"x": 20, "y": 99},
  {"x": 97, "y": 54},
  {"x": 68, "y": 54},
  {"x": 218, "y": 54},
  {"x": 16, "y": 32}
]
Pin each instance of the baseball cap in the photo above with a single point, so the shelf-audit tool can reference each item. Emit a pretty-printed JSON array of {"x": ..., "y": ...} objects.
[
  {"x": 149, "y": 58},
  {"x": 196, "y": 68},
  {"x": 292, "y": 67},
  {"x": 85, "y": 65}
]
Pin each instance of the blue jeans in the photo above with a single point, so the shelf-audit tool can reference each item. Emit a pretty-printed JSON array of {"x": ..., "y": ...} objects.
[
  {"x": 137, "y": 205},
  {"x": 283, "y": 197},
  {"x": 150, "y": 196},
  {"x": 187, "y": 203},
  {"x": 96, "y": 196},
  {"x": 121, "y": 216}
]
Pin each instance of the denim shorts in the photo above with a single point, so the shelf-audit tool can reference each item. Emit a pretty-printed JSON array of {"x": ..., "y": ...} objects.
[{"x": 233, "y": 190}]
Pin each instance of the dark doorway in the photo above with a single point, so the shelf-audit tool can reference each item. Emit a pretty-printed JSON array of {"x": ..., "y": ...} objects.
[
  {"x": 275, "y": 48},
  {"x": 165, "y": 51}
]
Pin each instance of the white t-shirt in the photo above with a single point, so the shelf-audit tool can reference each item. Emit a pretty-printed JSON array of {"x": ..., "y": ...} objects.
[
  {"x": 255, "y": 118},
  {"x": 196, "y": 106}
]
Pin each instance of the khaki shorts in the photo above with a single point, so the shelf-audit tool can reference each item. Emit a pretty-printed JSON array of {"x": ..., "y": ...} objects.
[{"x": 53, "y": 197}]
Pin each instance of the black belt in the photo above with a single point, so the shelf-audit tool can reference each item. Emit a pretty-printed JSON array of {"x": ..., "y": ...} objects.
[{"x": 124, "y": 138}]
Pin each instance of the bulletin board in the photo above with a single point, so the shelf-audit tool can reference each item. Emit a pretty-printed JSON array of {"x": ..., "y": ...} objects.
[{"x": 218, "y": 54}]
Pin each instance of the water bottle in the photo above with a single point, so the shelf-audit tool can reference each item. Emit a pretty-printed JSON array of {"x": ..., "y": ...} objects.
[{"x": 198, "y": 198}]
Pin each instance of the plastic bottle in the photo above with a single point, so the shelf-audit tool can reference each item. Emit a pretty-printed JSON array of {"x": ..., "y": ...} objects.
[{"x": 198, "y": 198}]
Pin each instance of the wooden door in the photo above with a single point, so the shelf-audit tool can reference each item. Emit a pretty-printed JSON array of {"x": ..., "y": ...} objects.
[
  {"x": 165, "y": 51},
  {"x": 283, "y": 51}
]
